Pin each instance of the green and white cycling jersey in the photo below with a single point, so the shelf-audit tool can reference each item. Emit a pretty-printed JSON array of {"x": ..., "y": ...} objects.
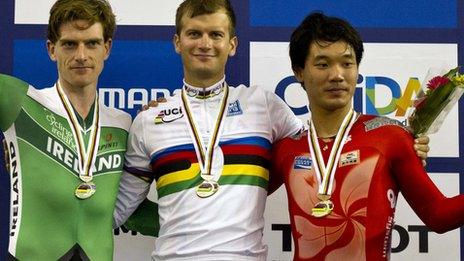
[{"x": 47, "y": 220}]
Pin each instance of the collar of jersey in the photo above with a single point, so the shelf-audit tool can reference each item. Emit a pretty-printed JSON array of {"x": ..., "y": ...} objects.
[
  {"x": 205, "y": 93},
  {"x": 86, "y": 123}
]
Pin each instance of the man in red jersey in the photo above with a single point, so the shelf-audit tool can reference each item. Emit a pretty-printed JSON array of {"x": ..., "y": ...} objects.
[{"x": 343, "y": 176}]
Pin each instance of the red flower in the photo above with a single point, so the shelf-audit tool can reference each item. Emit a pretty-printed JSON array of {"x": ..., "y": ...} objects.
[{"x": 437, "y": 81}]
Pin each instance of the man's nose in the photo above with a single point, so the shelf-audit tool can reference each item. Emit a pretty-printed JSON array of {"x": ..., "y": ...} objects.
[
  {"x": 81, "y": 52},
  {"x": 336, "y": 73},
  {"x": 205, "y": 42}
]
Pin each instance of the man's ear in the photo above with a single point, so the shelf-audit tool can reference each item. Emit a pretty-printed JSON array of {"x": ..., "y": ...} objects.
[
  {"x": 108, "y": 46},
  {"x": 233, "y": 45},
  {"x": 298, "y": 72},
  {"x": 176, "y": 42},
  {"x": 51, "y": 50}
]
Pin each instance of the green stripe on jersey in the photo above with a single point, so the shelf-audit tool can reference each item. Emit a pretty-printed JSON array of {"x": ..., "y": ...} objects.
[
  {"x": 240, "y": 179},
  {"x": 243, "y": 180}
]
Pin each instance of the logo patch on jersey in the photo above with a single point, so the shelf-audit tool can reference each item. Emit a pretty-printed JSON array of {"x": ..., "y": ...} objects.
[
  {"x": 378, "y": 122},
  {"x": 59, "y": 130},
  {"x": 349, "y": 158},
  {"x": 302, "y": 162},
  {"x": 234, "y": 109},
  {"x": 168, "y": 115},
  {"x": 109, "y": 143}
]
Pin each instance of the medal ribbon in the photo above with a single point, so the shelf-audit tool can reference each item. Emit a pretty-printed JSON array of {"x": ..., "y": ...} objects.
[
  {"x": 205, "y": 157},
  {"x": 326, "y": 173},
  {"x": 86, "y": 155}
]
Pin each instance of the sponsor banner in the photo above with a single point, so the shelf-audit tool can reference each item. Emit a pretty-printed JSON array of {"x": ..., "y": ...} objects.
[
  {"x": 371, "y": 14},
  {"x": 390, "y": 75},
  {"x": 141, "y": 12}
]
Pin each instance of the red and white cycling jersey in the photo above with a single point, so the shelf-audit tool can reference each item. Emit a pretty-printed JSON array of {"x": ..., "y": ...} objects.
[{"x": 377, "y": 161}]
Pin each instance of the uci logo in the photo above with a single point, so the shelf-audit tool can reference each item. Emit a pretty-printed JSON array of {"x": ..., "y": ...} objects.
[
  {"x": 168, "y": 115},
  {"x": 376, "y": 87}
]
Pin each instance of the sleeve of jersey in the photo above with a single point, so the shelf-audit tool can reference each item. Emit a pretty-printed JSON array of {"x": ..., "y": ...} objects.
[
  {"x": 12, "y": 93},
  {"x": 284, "y": 123},
  {"x": 438, "y": 212},
  {"x": 145, "y": 219},
  {"x": 276, "y": 173},
  {"x": 136, "y": 177}
]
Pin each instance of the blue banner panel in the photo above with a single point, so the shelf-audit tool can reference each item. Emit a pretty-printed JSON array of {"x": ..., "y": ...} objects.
[
  {"x": 149, "y": 64},
  {"x": 32, "y": 64},
  {"x": 375, "y": 14}
]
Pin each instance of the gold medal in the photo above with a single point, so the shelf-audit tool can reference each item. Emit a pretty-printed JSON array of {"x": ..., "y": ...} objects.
[
  {"x": 323, "y": 197},
  {"x": 85, "y": 190},
  {"x": 207, "y": 188},
  {"x": 322, "y": 209},
  {"x": 209, "y": 154},
  {"x": 85, "y": 154},
  {"x": 325, "y": 173}
]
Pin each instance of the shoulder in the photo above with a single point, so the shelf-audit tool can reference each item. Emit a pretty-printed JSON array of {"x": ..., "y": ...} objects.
[
  {"x": 294, "y": 142},
  {"x": 165, "y": 112},
  {"x": 247, "y": 91},
  {"x": 11, "y": 83},
  {"x": 259, "y": 94},
  {"x": 45, "y": 96},
  {"x": 384, "y": 128},
  {"x": 373, "y": 122},
  {"x": 115, "y": 117}
]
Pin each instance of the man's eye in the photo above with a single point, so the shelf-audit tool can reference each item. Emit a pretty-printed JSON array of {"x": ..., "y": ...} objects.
[
  {"x": 92, "y": 44},
  {"x": 193, "y": 34},
  {"x": 216, "y": 35},
  {"x": 321, "y": 65},
  {"x": 68, "y": 44}
]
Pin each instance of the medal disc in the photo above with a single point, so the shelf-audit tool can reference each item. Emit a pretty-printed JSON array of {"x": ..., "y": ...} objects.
[
  {"x": 207, "y": 188},
  {"x": 85, "y": 190},
  {"x": 322, "y": 208},
  {"x": 323, "y": 197}
]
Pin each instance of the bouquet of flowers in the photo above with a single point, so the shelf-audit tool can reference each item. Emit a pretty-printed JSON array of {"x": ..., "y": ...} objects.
[{"x": 435, "y": 100}]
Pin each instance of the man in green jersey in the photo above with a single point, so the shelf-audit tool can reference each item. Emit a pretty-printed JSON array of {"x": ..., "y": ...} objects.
[{"x": 65, "y": 147}]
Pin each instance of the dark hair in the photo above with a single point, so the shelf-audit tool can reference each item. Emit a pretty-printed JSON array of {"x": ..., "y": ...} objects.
[
  {"x": 319, "y": 28},
  {"x": 93, "y": 11},
  {"x": 192, "y": 8}
]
